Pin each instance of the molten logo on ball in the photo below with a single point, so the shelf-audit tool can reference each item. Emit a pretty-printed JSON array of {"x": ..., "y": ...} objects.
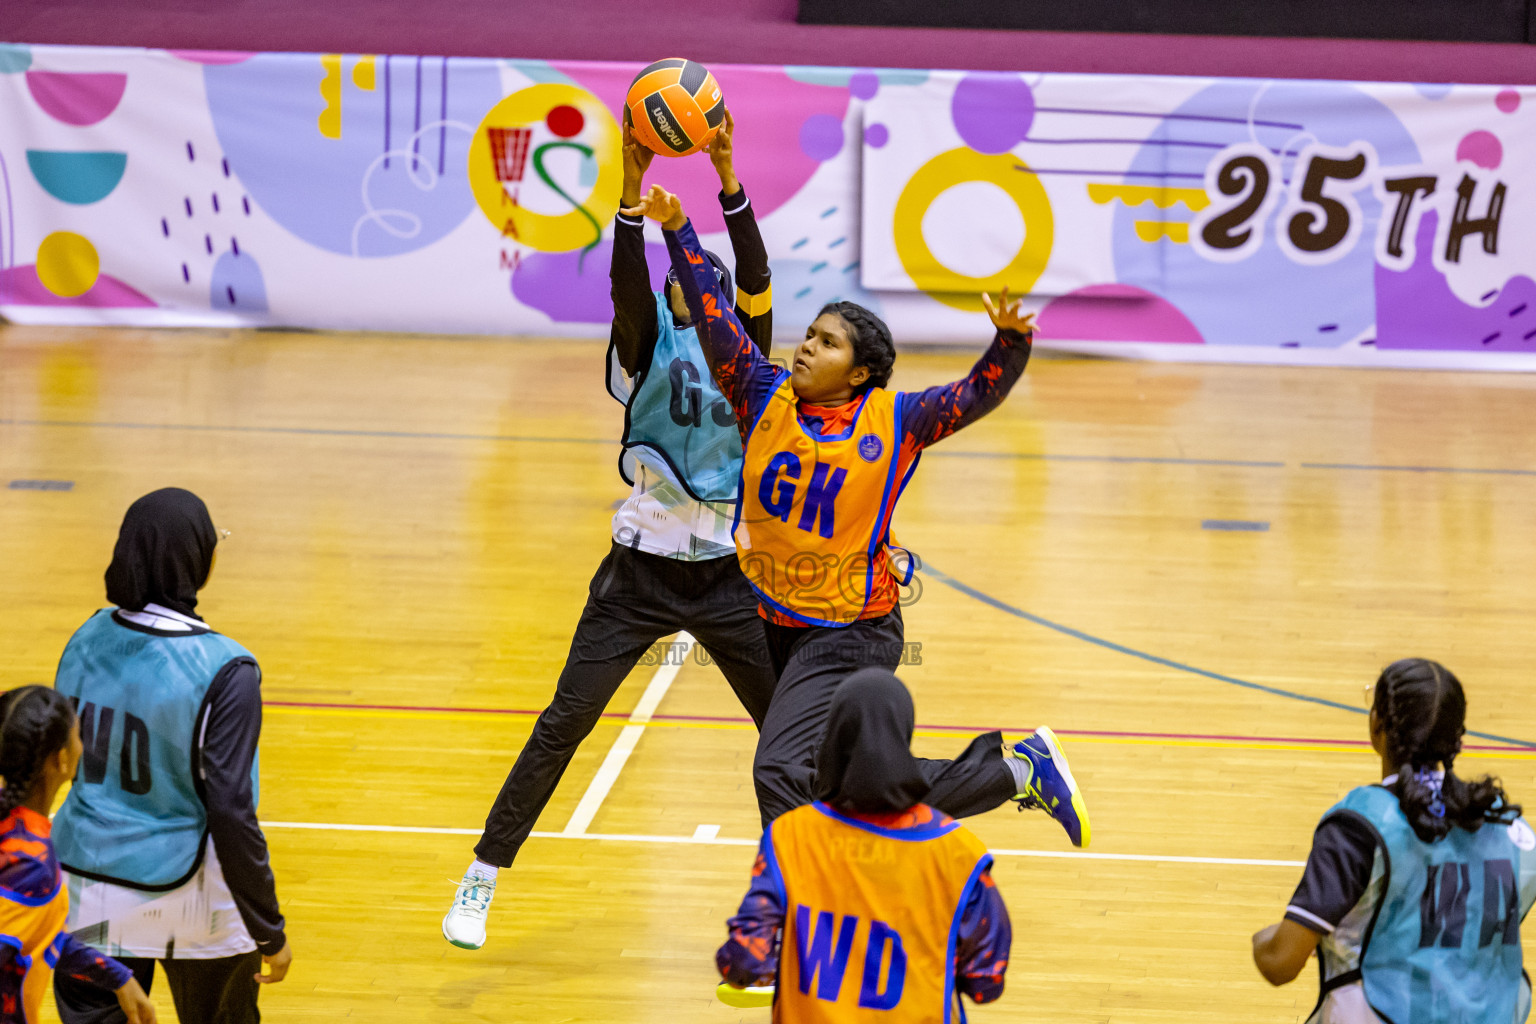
[{"x": 675, "y": 107}]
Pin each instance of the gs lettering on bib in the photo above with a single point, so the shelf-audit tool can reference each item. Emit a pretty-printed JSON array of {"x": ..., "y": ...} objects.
[{"x": 813, "y": 519}]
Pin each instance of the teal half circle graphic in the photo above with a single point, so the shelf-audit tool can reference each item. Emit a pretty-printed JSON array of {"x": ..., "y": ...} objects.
[{"x": 78, "y": 178}]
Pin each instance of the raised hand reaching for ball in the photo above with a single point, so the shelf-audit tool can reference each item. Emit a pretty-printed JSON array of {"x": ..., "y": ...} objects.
[{"x": 661, "y": 206}]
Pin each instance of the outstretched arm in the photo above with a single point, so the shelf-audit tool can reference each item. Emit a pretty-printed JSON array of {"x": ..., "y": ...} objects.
[
  {"x": 754, "y": 290},
  {"x": 750, "y": 955},
  {"x": 744, "y": 376},
  {"x": 985, "y": 941},
  {"x": 633, "y": 334},
  {"x": 931, "y": 415}
]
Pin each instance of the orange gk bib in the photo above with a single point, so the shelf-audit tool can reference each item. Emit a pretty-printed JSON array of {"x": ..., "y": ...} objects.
[
  {"x": 814, "y": 515},
  {"x": 870, "y": 918}
]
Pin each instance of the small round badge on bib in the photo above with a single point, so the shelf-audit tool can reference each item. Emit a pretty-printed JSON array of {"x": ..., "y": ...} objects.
[{"x": 870, "y": 447}]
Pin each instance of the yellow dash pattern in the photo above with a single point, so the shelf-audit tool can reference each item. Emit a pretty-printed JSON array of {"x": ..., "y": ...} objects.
[
  {"x": 1103, "y": 193},
  {"x": 363, "y": 72},
  {"x": 1173, "y": 230},
  {"x": 330, "y": 92}
]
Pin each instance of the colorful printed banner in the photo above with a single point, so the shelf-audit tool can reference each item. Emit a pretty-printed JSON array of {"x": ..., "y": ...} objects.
[
  {"x": 1236, "y": 214},
  {"x": 1318, "y": 222}
]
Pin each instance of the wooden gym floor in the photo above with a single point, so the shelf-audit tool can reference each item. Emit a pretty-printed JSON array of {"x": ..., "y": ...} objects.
[{"x": 415, "y": 521}]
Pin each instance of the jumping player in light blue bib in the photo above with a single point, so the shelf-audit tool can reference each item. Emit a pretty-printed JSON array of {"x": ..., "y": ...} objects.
[{"x": 1415, "y": 888}]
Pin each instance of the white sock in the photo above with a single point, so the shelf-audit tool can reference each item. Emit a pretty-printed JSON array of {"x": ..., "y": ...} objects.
[
  {"x": 481, "y": 869},
  {"x": 1023, "y": 770}
]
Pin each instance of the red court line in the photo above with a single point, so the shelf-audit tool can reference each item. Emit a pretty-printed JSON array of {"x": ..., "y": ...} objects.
[{"x": 726, "y": 719}]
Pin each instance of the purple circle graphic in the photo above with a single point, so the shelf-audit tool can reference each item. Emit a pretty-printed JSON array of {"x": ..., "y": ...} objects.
[
  {"x": 821, "y": 137},
  {"x": 877, "y": 135},
  {"x": 863, "y": 85},
  {"x": 1508, "y": 100},
  {"x": 992, "y": 112}
]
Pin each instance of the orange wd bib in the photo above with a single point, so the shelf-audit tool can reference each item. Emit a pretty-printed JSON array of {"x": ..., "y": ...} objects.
[{"x": 870, "y": 918}]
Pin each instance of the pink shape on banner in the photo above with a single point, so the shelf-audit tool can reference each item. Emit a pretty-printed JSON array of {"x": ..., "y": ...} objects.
[
  {"x": 1508, "y": 100},
  {"x": 769, "y": 108},
  {"x": 1482, "y": 148},
  {"x": 1416, "y": 309},
  {"x": 1116, "y": 312},
  {"x": 19, "y": 286},
  {"x": 212, "y": 56},
  {"x": 78, "y": 99}
]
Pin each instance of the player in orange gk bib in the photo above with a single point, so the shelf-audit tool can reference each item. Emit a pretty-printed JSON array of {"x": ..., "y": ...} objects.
[
  {"x": 827, "y": 451},
  {"x": 869, "y": 905}
]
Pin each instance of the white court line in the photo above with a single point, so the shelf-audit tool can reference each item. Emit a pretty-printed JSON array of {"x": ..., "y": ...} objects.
[
  {"x": 695, "y": 840},
  {"x": 622, "y": 747}
]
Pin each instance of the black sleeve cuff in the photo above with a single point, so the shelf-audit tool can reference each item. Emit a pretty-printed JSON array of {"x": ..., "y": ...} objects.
[{"x": 734, "y": 203}]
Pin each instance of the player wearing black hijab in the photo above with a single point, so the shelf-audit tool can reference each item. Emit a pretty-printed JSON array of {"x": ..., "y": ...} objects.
[
  {"x": 869, "y": 898},
  {"x": 158, "y": 837}
]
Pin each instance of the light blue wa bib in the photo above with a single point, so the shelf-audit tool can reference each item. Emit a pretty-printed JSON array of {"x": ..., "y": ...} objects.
[{"x": 1436, "y": 937}]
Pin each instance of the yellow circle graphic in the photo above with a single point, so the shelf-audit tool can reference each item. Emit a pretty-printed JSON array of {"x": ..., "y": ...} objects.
[
  {"x": 67, "y": 264},
  {"x": 956, "y": 167},
  {"x": 501, "y": 155}
]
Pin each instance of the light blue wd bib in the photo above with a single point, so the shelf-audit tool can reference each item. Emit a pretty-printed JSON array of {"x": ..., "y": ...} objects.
[
  {"x": 1438, "y": 940},
  {"x": 133, "y": 815},
  {"x": 676, "y": 422}
]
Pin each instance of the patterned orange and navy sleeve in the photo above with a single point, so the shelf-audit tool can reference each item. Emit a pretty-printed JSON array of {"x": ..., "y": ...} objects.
[
  {"x": 933, "y": 414},
  {"x": 744, "y": 375},
  {"x": 83, "y": 963},
  {"x": 985, "y": 941},
  {"x": 750, "y": 955}
]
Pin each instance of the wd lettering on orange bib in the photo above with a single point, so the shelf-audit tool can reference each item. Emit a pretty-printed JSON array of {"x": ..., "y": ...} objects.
[
  {"x": 869, "y": 917},
  {"x": 814, "y": 516}
]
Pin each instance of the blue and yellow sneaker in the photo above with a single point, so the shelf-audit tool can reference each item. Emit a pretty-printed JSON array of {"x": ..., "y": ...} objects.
[{"x": 1051, "y": 786}]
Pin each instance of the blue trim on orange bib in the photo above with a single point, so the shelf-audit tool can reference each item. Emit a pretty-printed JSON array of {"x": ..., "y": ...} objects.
[
  {"x": 951, "y": 1000},
  {"x": 802, "y": 617},
  {"x": 741, "y": 477},
  {"x": 33, "y": 901},
  {"x": 845, "y": 435},
  {"x": 906, "y": 835}
]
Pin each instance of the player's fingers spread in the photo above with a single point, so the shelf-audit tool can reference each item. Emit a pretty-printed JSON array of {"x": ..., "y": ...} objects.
[{"x": 986, "y": 300}]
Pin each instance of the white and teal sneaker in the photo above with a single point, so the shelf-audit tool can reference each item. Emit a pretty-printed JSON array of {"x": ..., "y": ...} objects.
[
  {"x": 1051, "y": 786},
  {"x": 464, "y": 924}
]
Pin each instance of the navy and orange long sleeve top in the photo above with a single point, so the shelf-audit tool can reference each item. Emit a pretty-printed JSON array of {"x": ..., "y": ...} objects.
[
  {"x": 33, "y": 906},
  {"x": 748, "y": 380}
]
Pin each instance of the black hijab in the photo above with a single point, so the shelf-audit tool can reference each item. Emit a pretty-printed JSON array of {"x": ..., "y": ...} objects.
[
  {"x": 164, "y": 552},
  {"x": 865, "y": 763}
]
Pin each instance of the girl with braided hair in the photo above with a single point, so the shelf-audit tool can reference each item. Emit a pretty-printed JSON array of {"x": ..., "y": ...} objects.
[
  {"x": 1416, "y": 886},
  {"x": 39, "y": 747},
  {"x": 827, "y": 453}
]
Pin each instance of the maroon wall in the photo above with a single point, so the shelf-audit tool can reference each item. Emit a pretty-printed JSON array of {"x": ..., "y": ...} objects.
[{"x": 738, "y": 31}]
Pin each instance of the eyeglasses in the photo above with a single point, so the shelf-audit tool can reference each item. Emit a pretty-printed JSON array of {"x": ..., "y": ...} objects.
[
  {"x": 1370, "y": 696},
  {"x": 719, "y": 275}
]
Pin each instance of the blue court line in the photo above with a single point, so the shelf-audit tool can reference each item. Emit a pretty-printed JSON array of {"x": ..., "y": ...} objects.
[
  {"x": 1047, "y": 457},
  {"x": 1418, "y": 469},
  {"x": 413, "y": 435},
  {"x": 317, "y": 431},
  {"x": 1098, "y": 641},
  {"x": 1250, "y": 525}
]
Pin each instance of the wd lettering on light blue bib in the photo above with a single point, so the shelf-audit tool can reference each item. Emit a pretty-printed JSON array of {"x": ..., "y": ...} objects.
[
  {"x": 677, "y": 423},
  {"x": 1437, "y": 939},
  {"x": 133, "y": 815}
]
